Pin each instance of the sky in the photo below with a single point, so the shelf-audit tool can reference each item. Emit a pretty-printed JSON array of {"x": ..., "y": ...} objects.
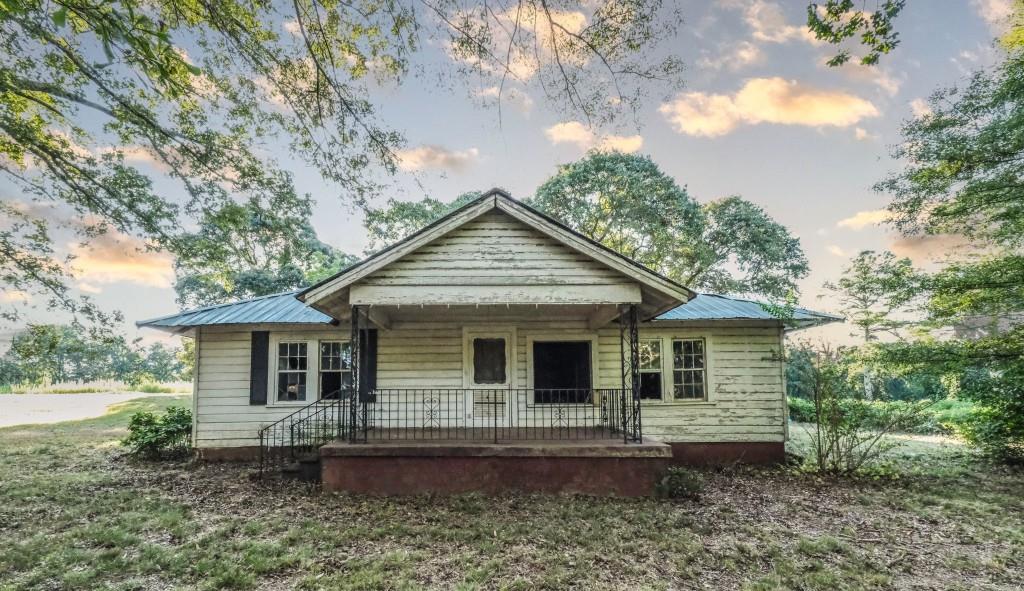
[{"x": 760, "y": 116}]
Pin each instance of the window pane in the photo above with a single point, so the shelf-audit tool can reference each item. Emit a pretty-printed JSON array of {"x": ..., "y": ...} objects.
[
  {"x": 650, "y": 386},
  {"x": 488, "y": 361},
  {"x": 650, "y": 355},
  {"x": 688, "y": 369},
  {"x": 291, "y": 385}
]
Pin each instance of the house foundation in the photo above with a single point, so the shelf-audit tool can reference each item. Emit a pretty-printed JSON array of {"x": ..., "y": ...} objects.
[{"x": 602, "y": 468}]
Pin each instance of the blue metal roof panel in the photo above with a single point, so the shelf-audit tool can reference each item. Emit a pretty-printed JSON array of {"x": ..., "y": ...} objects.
[
  {"x": 280, "y": 308},
  {"x": 716, "y": 307}
]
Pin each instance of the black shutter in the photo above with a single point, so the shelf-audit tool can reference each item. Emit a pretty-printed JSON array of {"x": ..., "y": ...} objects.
[
  {"x": 367, "y": 364},
  {"x": 258, "y": 367}
]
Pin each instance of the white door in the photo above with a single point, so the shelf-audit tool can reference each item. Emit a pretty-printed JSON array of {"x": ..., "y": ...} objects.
[{"x": 488, "y": 375}]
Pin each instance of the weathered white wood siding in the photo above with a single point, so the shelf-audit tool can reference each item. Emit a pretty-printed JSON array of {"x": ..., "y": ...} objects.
[
  {"x": 495, "y": 259},
  {"x": 746, "y": 401}
]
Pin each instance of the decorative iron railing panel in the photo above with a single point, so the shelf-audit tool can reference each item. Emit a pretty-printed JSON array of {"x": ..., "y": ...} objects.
[{"x": 502, "y": 415}]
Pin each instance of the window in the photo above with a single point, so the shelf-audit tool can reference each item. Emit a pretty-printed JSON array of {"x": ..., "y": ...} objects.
[
  {"x": 335, "y": 368},
  {"x": 489, "y": 360},
  {"x": 650, "y": 369},
  {"x": 291, "y": 371},
  {"x": 688, "y": 369},
  {"x": 561, "y": 372}
]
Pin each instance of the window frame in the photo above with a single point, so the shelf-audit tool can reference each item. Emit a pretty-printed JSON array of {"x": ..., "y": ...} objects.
[
  {"x": 667, "y": 337},
  {"x": 567, "y": 337},
  {"x": 312, "y": 341},
  {"x": 320, "y": 370},
  {"x": 660, "y": 371},
  {"x": 507, "y": 333},
  {"x": 670, "y": 391}
]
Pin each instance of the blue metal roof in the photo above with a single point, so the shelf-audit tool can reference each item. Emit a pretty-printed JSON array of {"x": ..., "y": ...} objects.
[
  {"x": 708, "y": 306},
  {"x": 284, "y": 308},
  {"x": 279, "y": 308}
]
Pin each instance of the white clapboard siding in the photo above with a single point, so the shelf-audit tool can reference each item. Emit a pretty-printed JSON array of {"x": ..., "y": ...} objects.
[
  {"x": 495, "y": 259},
  {"x": 745, "y": 388}
]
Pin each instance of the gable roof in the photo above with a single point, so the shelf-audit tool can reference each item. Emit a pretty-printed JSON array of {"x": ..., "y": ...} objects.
[
  {"x": 708, "y": 306},
  {"x": 500, "y": 200},
  {"x": 284, "y": 308}
]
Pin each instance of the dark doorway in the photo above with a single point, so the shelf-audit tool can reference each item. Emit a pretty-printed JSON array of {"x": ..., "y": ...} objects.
[{"x": 561, "y": 372}]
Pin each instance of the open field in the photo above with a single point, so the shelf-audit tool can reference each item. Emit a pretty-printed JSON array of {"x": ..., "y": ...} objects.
[{"x": 74, "y": 514}]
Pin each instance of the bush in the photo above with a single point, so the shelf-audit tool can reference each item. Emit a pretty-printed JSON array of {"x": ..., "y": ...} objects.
[
  {"x": 801, "y": 410},
  {"x": 680, "y": 483},
  {"x": 151, "y": 436},
  {"x": 152, "y": 388}
]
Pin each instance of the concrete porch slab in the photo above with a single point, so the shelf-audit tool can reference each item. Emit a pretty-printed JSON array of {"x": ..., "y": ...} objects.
[{"x": 599, "y": 468}]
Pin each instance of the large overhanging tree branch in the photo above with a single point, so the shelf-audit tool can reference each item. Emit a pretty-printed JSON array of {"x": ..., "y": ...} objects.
[{"x": 102, "y": 102}]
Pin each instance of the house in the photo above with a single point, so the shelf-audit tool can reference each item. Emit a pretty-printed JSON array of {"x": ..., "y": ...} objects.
[{"x": 495, "y": 348}]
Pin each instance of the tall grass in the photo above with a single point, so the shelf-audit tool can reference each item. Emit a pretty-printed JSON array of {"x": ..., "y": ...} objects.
[{"x": 98, "y": 386}]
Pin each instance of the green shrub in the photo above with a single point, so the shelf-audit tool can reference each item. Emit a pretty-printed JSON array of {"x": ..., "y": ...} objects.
[
  {"x": 680, "y": 483},
  {"x": 151, "y": 436},
  {"x": 801, "y": 410},
  {"x": 153, "y": 388}
]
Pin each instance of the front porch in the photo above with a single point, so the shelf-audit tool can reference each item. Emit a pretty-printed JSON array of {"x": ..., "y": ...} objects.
[{"x": 601, "y": 467}]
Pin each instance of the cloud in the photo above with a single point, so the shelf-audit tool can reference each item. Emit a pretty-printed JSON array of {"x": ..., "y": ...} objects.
[
  {"x": 574, "y": 132},
  {"x": 292, "y": 27},
  {"x": 835, "y": 250},
  {"x": 919, "y": 107},
  {"x": 13, "y": 295},
  {"x": 768, "y": 23},
  {"x": 765, "y": 100},
  {"x": 862, "y": 134},
  {"x": 739, "y": 56},
  {"x": 995, "y": 13},
  {"x": 863, "y": 219},
  {"x": 932, "y": 248},
  {"x": 436, "y": 157},
  {"x": 513, "y": 96},
  {"x": 89, "y": 288},
  {"x": 116, "y": 258}
]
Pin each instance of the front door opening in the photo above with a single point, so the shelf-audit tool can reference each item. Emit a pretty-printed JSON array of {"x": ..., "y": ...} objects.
[{"x": 562, "y": 372}]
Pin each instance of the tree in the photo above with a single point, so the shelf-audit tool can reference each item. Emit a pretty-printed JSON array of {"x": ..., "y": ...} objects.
[
  {"x": 627, "y": 203},
  {"x": 99, "y": 99},
  {"x": 398, "y": 219},
  {"x": 251, "y": 249},
  {"x": 836, "y": 21},
  {"x": 964, "y": 176},
  {"x": 874, "y": 289}
]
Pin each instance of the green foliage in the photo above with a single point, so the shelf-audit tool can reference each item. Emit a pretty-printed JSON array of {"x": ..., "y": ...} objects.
[
  {"x": 398, "y": 219},
  {"x": 848, "y": 433},
  {"x": 628, "y": 204},
  {"x": 964, "y": 169},
  {"x": 152, "y": 436},
  {"x": 836, "y": 21},
  {"x": 680, "y": 483},
  {"x": 800, "y": 410},
  {"x": 873, "y": 289},
  {"x": 252, "y": 249},
  {"x": 49, "y": 353},
  {"x": 144, "y": 117}
]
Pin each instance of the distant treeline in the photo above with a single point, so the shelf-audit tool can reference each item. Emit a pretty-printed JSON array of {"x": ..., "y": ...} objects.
[{"x": 52, "y": 353}]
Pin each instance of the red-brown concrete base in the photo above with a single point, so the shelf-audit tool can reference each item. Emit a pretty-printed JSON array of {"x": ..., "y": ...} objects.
[
  {"x": 717, "y": 454},
  {"x": 549, "y": 467}
]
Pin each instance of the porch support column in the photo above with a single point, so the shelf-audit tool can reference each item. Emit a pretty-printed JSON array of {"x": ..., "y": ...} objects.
[
  {"x": 357, "y": 407},
  {"x": 629, "y": 347}
]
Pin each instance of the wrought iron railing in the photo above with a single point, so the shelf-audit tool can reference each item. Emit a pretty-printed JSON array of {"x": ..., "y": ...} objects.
[
  {"x": 497, "y": 415},
  {"x": 305, "y": 431}
]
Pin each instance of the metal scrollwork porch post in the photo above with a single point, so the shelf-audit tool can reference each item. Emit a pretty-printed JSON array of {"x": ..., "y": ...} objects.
[{"x": 355, "y": 398}]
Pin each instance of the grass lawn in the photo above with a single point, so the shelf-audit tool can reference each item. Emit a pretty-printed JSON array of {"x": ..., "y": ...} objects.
[{"x": 74, "y": 514}]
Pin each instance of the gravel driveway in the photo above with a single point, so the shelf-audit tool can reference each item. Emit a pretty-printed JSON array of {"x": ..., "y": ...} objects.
[{"x": 35, "y": 409}]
